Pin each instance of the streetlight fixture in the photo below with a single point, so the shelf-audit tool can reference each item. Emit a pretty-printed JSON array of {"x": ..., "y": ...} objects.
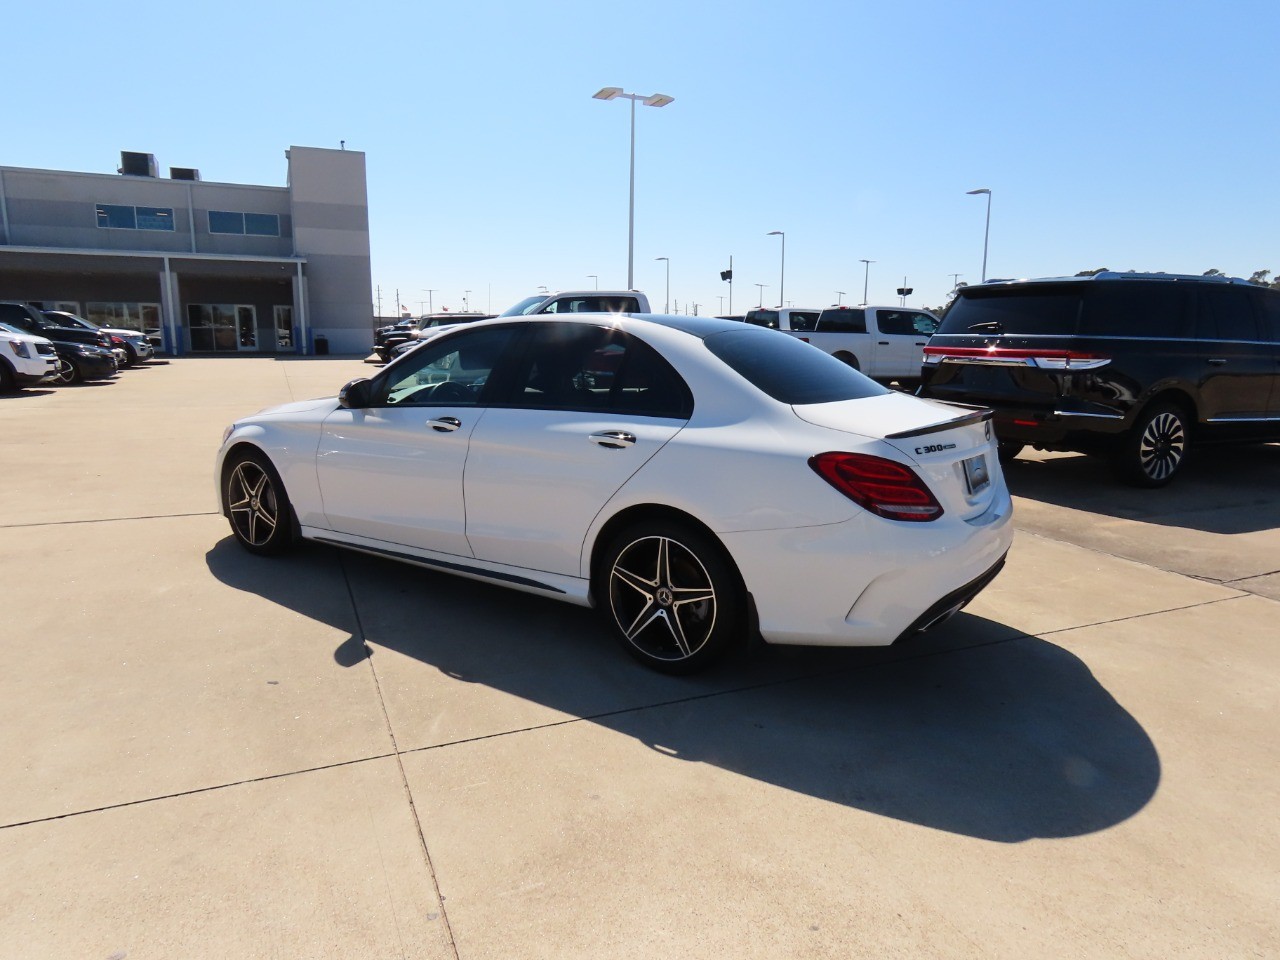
[
  {"x": 667, "y": 308},
  {"x": 955, "y": 280},
  {"x": 866, "y": 278},
  {"x": 986, "y": 235},
  {"x": 466, "y": 300},
  {"x": 839, "y": 297},
  {"x": 592, "y": 276},
  {"x": 430, "y": 303},
  {"x": 761, "y": 286},
  {"x": 782, "y": 278},
  {"x": 652, "y": 100}
]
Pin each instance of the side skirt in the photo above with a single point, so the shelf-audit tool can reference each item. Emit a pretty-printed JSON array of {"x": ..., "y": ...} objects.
[{"x": 556, "y": 586}]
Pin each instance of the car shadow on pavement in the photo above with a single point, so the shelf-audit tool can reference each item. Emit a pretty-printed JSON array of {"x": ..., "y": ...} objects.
[
  {"x": 1225, "y": 490},
  {"x": 973, "y": 728}
]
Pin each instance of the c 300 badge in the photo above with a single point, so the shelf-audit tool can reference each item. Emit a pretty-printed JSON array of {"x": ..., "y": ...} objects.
[{"x": 936, "y": 448}]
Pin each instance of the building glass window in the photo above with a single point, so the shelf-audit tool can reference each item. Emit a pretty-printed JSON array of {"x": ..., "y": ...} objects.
[
  {"x": 222, "y": 327},
  {"x": 113, "y": 216},
  {"x": 284, "y": 326},
  {"x": 242, "y": 224}
]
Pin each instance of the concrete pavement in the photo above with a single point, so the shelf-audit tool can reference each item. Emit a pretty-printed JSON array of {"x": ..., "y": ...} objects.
[{"x": 211, "y": 754}]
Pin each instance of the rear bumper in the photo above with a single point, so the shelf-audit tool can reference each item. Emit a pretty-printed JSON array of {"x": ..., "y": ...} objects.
[{"x": 867, "y": 581}]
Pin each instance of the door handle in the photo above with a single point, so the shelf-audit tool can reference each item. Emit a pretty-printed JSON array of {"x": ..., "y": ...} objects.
[
  {"x": 444, "y": 424},
  {"x": 1216, "y": 361},
  {"x": 613, "y": 439},
  {"x": 884, "y": 343}
]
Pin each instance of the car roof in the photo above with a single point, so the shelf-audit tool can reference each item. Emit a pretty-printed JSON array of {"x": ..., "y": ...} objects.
[{"x": 1106, "y": 275}]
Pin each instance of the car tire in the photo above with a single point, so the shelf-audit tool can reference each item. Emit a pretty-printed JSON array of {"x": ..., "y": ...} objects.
[
  {"x": 848, "y": 358},
  {"x": 1154, "y": 451},
  {"x": 68, "y": 374},
  {"x": 257, "y": 506},
  {"x": 672, "y": 597},
  {"x": 1007, "y": 450},
  {"x": 130, "y": 357},
  {"x": 8, "y": 383}
]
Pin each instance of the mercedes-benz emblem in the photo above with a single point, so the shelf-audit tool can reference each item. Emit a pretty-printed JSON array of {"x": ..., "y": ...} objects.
[{"x": 664, "y": 596}]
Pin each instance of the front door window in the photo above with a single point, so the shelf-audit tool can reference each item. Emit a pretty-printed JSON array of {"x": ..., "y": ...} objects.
[{"x": 247, "y": 327}]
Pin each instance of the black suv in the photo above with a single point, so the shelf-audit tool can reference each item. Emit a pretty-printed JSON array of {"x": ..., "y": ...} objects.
[{"x": 1138, "y": 367}]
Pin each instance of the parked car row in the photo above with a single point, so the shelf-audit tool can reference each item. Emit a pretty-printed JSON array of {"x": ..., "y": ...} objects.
[{"x": 52, "y": 346}]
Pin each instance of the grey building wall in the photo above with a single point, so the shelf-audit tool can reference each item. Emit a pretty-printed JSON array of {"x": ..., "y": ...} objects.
[
  {"x": 324, "y": 234},
  {"x": 330, "y": 218}
]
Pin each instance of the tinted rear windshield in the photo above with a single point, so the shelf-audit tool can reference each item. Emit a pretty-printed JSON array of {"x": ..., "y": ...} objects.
[
  {"x": 1043, "y": 309},
  {"x": 788, "y": 369}
]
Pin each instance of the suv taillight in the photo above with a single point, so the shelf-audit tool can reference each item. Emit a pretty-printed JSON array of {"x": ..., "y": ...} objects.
[
  {"x": 1018, "y": 357},
  {"x": 884, "y": 487}
]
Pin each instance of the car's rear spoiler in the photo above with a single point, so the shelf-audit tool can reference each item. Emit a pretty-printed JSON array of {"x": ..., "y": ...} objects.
[{"x": 978, "y": 415}]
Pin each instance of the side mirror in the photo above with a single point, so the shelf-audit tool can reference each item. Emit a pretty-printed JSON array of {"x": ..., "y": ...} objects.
[{"x": 357, "y": 394}]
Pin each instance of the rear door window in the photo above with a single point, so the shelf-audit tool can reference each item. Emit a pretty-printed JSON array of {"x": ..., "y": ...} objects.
[
  {"x": 842, "y": 320},
  {"x": 1158, "y": 310},
  {"x": 1225, "y": 313}
]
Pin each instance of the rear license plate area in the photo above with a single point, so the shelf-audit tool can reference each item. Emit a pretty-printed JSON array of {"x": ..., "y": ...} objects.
[{"x": 976, "y": 475}]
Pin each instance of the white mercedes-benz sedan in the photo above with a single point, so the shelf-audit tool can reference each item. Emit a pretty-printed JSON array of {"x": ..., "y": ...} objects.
[{"x": 701, "y": 481}]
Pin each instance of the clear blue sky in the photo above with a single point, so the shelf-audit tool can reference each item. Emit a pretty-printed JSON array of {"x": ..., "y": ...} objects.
[{"x": 1126, "y": 135}]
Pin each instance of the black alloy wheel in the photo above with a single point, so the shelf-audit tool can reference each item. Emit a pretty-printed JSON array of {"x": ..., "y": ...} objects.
[
  {"x": 260, "y": 513},
  {"x": 1154, "y": 451},
  {"x": 673, "y": 599}
]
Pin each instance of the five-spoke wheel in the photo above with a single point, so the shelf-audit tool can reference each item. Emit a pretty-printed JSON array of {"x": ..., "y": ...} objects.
[
  {"x": 674, "y": 601},
  {"x": 257, "y": 505}
]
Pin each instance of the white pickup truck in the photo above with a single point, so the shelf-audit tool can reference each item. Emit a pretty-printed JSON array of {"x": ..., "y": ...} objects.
[
  {"x": 885, "y": 343},
  {"x": 581, "y": 301}
]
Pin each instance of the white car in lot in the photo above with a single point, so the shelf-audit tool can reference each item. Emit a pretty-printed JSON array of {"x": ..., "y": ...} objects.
[
  {"x": 699, "y": 480},
  {"x": 25, "y": 359}
]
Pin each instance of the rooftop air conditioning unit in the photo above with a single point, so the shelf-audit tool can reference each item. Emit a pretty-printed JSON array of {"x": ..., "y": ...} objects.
[
  {"x": 184, "y": 173},
  {"x": 138, "y": 164}
]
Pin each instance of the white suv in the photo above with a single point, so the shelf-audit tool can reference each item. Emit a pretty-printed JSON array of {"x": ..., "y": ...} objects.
[{"x": 25, "y": 360}]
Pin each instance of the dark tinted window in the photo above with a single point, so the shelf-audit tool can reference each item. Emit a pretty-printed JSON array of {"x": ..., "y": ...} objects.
[
  {"x": 574, "y": 367},
  {"x": 1225, "y": 313},
  {"x": 911, "y": 323},
  {"x": 763, "y": 318},
  {"x": 1135, "y": 309},
  {"x": 1267, "y": 304},
  {"x": 801, "y": 320},
  {"x": 842, "y": 320},
  {"x": 790, "y": 370},
  {"x": 1041, "y": 309}
]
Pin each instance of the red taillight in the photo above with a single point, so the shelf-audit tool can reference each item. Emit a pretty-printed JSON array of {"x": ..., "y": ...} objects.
[{"x": 886, "y": 488}]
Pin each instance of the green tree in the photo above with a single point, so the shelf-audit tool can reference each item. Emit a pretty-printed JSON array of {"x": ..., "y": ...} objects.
[{"x": 1092, "y": 273}]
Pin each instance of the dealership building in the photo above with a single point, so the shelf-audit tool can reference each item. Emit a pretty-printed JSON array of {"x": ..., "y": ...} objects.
[{"x": 203, "y": 267}]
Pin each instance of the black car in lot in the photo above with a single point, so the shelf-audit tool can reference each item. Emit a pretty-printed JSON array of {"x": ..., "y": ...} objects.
[
  {"x": 78, "y": 362},
  {"x": 82, "y": 354},
  {"x": 1141, "y": 368}
]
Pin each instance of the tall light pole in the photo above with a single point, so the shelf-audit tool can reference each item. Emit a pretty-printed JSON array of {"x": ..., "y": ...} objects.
[
  {"x": 866, "y": 279},
  {"x": 592, "y": 276},
  {"x": 652, "y": 100},
  {"x": 839, "y": 297},
  {"x": 986, "y": 235},
  {"x": 782, "y": 278},
  {"x": 430, "y": 302},
  {"x": 667, "y": 308},
  {"x": 466, "y": 300},
  {"x": 761, "y": 286},
  {"x": 955, "y": 280}
]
